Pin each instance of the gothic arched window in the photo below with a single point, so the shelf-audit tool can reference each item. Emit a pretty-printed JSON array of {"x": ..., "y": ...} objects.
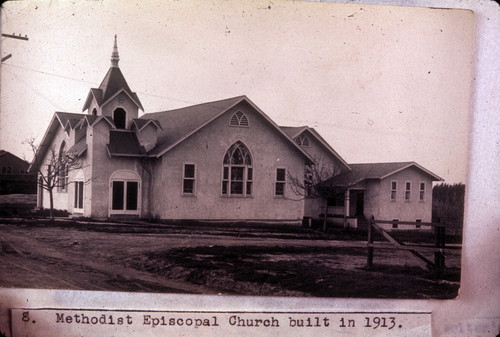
[
  {"x": 239, "y": 119},
  {"x": 237, "y": 175},
  {"x": 302, "y": 140}
]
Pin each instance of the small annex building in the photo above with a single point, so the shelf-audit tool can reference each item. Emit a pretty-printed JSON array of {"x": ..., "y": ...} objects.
[{"x": 218, "y": 161}]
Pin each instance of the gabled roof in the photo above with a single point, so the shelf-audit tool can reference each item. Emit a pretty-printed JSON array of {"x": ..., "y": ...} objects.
[
  {"x": 142, "y": 123},
  {"x": 378, "y": 171},
  {"x": 180, "y": 124},
  {"x": 9, "y": 154},
  {"x": 124, "y": 143},
  {"x": 113, "y": 83},
  {"x": 295, "y": 131},
  {"x": 60, "y": 119}
]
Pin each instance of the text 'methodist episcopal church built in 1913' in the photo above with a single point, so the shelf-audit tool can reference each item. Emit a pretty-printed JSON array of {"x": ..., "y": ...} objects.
[{"x": 222, "y": 161}]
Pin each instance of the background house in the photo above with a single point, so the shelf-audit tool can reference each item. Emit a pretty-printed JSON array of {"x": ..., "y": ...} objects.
[{"x": 14, "y": 176}]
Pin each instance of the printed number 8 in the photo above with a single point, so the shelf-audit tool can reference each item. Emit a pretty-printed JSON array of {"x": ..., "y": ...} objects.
[{"x": 26, "y": 316}]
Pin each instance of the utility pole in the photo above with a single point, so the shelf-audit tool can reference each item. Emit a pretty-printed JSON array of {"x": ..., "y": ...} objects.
[{"x": 13, "y": 36}]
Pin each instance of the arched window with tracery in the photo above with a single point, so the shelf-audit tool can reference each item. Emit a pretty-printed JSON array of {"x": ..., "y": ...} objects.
[
  {"x": 239, "y": 119},
  {"x": 302, "y": 140},
  {"x": 237, "y": 175}
]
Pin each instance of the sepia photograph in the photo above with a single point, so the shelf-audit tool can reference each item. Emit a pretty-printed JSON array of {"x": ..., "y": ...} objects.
[{"x": 263, "y": 148}]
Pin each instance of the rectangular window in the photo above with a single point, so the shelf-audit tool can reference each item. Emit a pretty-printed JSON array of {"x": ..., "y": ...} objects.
[
  {"x": 407, "y": 191},
  {"x": 6, "y": 169},
  {"x": 395, "y": 225},
  {"x": 237, "y": 180},
  {"x": 237, "y": 174},
  {"x": 279, "y": 189},
  {"x": 394, "y": 189},
  {"x": 188, "y": 179},
  {"x": 417, "y": 225},
  {"x": 78, "y": 195},
  {"x": 249, "y": 180},
  {"x": 225, "y": 180},
  {"x": 308, "y": 181},
  {"x": 63, "y": 178},
  {"x": 422, "y": 192},
  {"x": 336, "y": 200}
]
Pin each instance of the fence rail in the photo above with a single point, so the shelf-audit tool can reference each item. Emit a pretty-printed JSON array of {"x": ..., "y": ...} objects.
[{"x": 414, "y": 250}]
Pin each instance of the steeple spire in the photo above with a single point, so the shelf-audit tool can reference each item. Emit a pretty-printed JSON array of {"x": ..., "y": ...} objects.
[{"x": 115, "y": 58}]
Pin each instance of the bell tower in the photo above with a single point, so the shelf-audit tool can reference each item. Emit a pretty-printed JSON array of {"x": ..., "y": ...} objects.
[{"x": 114, "y": 98}]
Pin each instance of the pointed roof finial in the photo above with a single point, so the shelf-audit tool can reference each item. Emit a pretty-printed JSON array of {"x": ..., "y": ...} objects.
[{"x": 114, "y": 55}]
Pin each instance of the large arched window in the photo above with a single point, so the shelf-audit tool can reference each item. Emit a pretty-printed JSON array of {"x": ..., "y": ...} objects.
[
  {"x": 120, "y": 118},
  {"x": 237, "y": 175}
]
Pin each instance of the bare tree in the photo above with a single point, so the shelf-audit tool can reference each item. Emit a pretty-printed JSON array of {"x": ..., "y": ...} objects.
[
  {"x": 52, "y": 169},
  {"x": 322, "y": 180}
]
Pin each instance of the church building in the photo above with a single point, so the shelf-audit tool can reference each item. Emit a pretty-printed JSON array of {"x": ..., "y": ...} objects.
[{"x": 217, "y": 161}]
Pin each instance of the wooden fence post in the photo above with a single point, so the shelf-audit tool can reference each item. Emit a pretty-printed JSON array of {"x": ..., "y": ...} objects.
[
  {"x": 369, "y": 257},
  {"x": 440, "y": 241}
]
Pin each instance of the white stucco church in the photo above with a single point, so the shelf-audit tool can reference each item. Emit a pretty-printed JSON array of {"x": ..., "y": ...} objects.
[{"x": 219, "y": 161}]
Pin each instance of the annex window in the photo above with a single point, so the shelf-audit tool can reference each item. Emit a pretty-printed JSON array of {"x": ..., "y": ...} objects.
[
  {"x": 125, "y": 193},
  {"x": 239, "y": 119},
  {"x": 394, "y": 190},
  {"x": 279, "y": 188},
  {"x": 336, "y": 200},
  {"x": 395, "y": 223},
  {"x": 302, "y": 140},
  {"x": 120, "y": 118},
  {"x": 237, "y": 174},
  {"x": 418, "y": 225},
  {"x": 188, "y": 179},
  {"x": 422, "y": 192},
  {"x": 407, "y": 191}
]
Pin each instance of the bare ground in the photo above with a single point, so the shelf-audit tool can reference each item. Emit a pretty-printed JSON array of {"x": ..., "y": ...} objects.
[{"x": 209, "y": 259}]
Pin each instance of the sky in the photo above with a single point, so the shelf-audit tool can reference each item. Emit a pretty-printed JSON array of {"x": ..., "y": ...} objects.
[{"x": 379, "y": 83}]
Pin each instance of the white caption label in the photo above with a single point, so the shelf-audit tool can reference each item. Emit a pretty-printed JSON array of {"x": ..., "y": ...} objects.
[{"x": 45, "y": 322}]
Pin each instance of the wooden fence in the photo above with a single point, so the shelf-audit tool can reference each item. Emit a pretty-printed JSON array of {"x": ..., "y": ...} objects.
[{"x": 439, "y": 248}]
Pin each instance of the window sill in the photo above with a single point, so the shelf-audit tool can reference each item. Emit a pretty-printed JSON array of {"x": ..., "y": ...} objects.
[
  {"x": 237, "y": 196},
  {"x": 188, "y": 195}
]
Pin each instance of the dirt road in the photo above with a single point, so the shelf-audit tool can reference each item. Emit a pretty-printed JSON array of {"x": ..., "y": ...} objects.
[{"x": 125, "y": 257}]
